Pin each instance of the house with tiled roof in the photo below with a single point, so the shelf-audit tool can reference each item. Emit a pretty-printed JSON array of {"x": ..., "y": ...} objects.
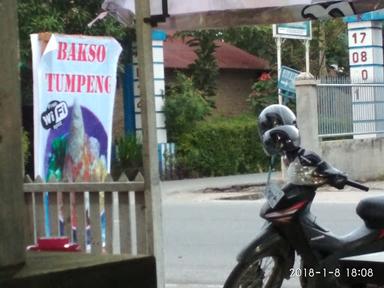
[{"x": 238, "y": 70}]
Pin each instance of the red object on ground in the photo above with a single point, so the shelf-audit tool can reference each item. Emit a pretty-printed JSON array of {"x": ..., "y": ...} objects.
[{"x": 54, "y": 244}]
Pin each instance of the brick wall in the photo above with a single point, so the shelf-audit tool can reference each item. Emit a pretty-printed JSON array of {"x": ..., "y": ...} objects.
[{"x": 234, "y": 86}]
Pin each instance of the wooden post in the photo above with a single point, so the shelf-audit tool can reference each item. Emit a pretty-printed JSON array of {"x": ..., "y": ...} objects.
[
  {"x": 11, "y": 180},
  {"x": 141, "y": 235},
  {"x": 125, "y": 224},
  {"x": 81, "y": 218},
  {"x": 152, "y": 189},
  {"x": 108, "y": 204},
  {"x": 94, "y": 215}
]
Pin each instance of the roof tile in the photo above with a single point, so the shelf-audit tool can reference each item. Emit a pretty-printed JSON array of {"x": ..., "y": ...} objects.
[{"x": 178, "y": 55}]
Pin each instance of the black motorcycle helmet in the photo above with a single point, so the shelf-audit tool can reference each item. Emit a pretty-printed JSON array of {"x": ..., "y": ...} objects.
[
  {"x": 281, "y": 139},
  {"x": 275, "y": 115}
]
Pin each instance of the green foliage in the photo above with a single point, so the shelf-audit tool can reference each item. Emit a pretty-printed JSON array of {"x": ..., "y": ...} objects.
[
  {"x": 259, "y": 41},
  {"x": 60, "y": 16},
  {"x": 26, "y": 147},
  {"x": 332, "y": 37},
  {"x": 264, "y": 93},
  {"x": 184, "y": 106},
  {"x": 204, "y": 70},
  {"x": 222, "y": 146},
  {"x": 128, "y": 156}
]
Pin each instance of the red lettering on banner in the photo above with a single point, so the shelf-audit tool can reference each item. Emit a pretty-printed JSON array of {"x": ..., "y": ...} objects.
[
  {"x": 101, "y": 53},
  {"x": 61, "y": 54},
  {"x": 82, "y": 55},
  {"x": 70, "y": 83},
  {"x": 72, "y": 53},
  {"x": 73, "y": 83},
  {"x": 81, "y": 82},
  {"x": 107, "y": 84},
  {"x": 92, "y": 52},
  {"x": 99, "y": 83},
  {"x": 81, "y": 52},
  {"x": 89, "y": 84},
  {"x": 58, "y": 89},
  {"x": 49, "y": 77}
]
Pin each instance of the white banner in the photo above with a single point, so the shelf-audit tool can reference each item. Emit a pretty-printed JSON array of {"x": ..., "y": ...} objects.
[
  {"x": 74, "y": 93},
  {"x": 199, "y": 14}
]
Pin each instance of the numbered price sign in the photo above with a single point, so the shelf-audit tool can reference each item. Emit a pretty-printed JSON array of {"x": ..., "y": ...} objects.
[
  {"x": 366, "y": 64},
  {"x": 365, "y": 51}
]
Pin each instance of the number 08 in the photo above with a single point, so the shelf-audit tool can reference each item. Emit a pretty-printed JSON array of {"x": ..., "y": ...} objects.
[{"x": 359, "y": 57}]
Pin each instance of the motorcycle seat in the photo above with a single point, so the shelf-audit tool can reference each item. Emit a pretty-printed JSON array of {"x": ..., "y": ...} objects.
[
  {"x": 371, "y": 210},
  {"x": 352, "y": 240}
]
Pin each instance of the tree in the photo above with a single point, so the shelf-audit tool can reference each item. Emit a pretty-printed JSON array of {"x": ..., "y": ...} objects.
[
  {"x": 327, "y": 50},
  {"x": 336, "y": 50},
  {"x": 257, "y": 40},
  {"x": 59, "y": 16},
  {"x": 184, "y": 107},
  {"x": 264, "y": 93},
  {"x": 204, "y": 70}
]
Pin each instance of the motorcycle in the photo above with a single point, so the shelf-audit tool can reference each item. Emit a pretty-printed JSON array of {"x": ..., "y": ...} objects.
[{"x": 291, "y": 229}]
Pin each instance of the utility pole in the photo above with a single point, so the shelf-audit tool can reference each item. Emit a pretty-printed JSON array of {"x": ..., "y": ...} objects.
[
  {"x": 307, "y": 61},
  {"x": 279, "y": 42},
  {"x": 12, "y": 246},
  {"x": 148, "y": 118}
]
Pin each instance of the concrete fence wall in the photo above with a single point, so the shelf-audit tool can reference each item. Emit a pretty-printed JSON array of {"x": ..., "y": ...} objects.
[{"x": 361, "y": 159}]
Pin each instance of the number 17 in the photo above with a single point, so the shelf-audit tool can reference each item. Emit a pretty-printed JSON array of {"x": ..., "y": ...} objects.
[{"x": 362, "y": 37}]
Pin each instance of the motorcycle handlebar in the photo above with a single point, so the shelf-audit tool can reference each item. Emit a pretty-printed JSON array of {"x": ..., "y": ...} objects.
[{"x": 357, "y": 185}]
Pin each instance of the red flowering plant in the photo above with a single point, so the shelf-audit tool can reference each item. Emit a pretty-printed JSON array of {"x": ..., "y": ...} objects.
[
  {"x": 264, "y": 92},
  {"x": 265, "y": 76}
]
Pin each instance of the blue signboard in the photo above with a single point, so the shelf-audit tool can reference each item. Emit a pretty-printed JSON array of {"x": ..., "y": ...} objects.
[
  {"x": 369, "y": 16},
  {"x": 297, "y": 30},
  {"x": 287, "y": 81}
]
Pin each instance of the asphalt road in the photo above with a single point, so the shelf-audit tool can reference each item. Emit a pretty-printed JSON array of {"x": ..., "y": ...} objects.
[{"x": 203, "y": 238}]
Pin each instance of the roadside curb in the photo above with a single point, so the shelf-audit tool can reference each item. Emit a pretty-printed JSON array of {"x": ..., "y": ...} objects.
[{"x": 223, "y": 182}]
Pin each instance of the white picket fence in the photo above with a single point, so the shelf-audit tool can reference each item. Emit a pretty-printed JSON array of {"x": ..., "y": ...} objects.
[{"x": 122, "y": 202}]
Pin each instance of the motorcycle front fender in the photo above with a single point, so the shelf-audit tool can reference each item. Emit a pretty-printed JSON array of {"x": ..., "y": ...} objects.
[{"x": 269, "y": 241}]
